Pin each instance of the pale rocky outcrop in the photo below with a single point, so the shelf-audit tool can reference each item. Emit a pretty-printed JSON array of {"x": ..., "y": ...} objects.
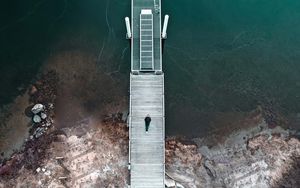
[
  {"x": 85, "y": 157},
  {"x": 257, "y": 157}
]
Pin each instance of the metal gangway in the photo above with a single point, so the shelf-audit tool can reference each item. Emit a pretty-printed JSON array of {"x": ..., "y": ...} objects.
[{"x": 146, "y": 149}]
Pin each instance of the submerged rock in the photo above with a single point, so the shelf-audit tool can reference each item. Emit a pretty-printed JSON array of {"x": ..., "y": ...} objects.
[
  {"x": 37, "y": 108},
  {"x": 33, "y": 90}
]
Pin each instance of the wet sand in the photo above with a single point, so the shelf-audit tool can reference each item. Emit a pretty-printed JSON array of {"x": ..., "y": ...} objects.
[
  {"x": 84, "y": 90},
  {"x": 14, "y": 129}
]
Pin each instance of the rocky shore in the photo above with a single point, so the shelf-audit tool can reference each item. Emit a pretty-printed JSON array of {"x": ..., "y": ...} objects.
[
  {"x": 53, "y": 153},
  {"x": 93, "y": 151},
  {"x": 42, "y": 96},
  {"x": 93, "y": 154}
]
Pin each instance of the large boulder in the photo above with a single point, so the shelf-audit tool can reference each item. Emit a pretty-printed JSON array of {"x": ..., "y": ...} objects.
[
  {"x": 37, "y": 119},
  {"x": 37, "y": 108}
]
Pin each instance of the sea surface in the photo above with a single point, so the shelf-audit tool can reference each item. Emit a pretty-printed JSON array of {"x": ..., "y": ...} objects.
[{"x": 220, "y": 57}]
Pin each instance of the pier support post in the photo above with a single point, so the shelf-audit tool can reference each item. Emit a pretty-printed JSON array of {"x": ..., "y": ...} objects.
[
  {"x": 165, "y": 26},
  {"x": 127, "y": 22}
]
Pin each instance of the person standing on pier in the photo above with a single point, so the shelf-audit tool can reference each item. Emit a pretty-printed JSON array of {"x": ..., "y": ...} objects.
[{"x": 147, "y": 122}]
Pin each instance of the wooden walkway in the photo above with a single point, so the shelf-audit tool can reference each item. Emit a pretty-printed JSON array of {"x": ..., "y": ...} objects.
[{"x": 146, "y": 150}]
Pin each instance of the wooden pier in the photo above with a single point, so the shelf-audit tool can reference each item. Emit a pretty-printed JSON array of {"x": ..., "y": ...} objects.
[{"x": 146, "y": 150}]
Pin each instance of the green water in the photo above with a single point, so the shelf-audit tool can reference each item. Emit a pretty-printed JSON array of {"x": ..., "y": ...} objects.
[
  {"x": 220, "y": 56},
  {"x": 224, "y": 56},
  {"x": 32, "y": 31}
]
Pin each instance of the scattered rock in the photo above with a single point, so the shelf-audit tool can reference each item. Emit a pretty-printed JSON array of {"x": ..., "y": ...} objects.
[
  {"x": 38, "y": 169},
  {"x": 39, "y": 132},
  {"x": 51, "y": 106},
  {"x": 47, "y": 173},
  {"x": 48, "y": 124},
  {"x": 43, "y": 115},
  {"x": 210, "y": 168}
]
